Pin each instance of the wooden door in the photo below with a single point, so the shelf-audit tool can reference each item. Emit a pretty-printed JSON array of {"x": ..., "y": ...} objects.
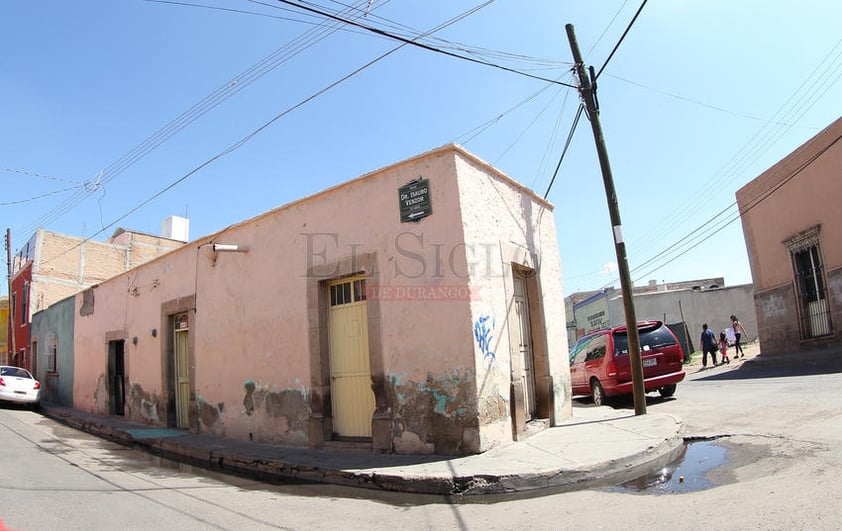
[
  {"x": 352, "y": 398},
  {"x": 182, "y": 371}
]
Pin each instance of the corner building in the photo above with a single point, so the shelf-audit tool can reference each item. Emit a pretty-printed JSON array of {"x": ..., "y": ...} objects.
[{"x": 357, "y": 316}]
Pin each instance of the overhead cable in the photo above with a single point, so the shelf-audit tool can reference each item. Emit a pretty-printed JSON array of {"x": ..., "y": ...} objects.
[
  {"x": 621, "y": 40},
  {"x": 257, "y": 131},
  {"x": 566, "y": 145},
  {"x": 221, "y": 94},
  {"x": 420, "y": 44}
]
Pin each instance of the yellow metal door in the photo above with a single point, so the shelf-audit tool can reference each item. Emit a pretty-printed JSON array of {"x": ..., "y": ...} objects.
[
  {"x": 182, "y": 372},
  {"x": 350, "y": 371},
  {"x": 523, "y": 337}
]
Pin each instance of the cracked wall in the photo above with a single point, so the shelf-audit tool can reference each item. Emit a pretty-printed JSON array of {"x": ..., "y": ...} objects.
[
  {"x": 211, "y": 417},
  {"x": 144, "y": 406},
  {"x": 436, "y": 416},
  {"x": 276, "y": 416}
]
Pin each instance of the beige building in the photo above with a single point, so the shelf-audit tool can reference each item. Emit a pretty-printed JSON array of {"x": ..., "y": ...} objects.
[
  {"x": 53, "y": 266},
  {"x": 417, "y": 309},
  {"x": 792, "y": 223}
]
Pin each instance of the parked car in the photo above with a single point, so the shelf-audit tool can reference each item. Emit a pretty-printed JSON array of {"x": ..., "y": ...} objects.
[
  {"x": 19, "y": 386},
  {"x": 600, "y": 362}
]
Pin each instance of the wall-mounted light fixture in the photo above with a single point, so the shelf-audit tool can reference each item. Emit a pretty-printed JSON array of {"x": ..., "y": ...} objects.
[{"x": 228, "y": 248}]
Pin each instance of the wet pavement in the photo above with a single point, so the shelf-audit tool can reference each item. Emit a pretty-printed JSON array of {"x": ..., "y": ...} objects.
[
  {"x": 598, "y": 447},
  {"x": 595, "y": 447}
]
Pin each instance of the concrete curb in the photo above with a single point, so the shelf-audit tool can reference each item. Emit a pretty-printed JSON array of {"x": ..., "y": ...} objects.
[{"x": 606, "y": 448}]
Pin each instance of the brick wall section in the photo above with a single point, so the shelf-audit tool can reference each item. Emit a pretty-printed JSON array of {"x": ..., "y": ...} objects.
[
  {"x": 778, "y": 318},
  {"x": 65, "y": 265}
]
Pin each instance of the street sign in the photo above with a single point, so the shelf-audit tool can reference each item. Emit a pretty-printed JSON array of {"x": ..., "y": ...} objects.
[{"x": 415, "y": 200}]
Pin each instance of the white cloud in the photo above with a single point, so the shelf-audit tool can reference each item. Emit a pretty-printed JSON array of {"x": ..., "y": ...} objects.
[{"x": 608, "y": 269}]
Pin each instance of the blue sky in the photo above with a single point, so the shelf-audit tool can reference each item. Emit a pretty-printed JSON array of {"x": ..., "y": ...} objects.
[{"x": 105, "y": 103}]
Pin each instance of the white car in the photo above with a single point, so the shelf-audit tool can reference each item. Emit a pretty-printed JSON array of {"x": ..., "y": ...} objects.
[{"x": 19, "y": 386}]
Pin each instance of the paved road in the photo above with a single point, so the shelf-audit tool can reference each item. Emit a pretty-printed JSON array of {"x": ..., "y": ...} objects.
[{"x": 782, "y": 436}]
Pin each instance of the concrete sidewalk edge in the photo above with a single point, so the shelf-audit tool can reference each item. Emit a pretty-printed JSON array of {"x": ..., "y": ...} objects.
[{"x": 463, "y": 476}]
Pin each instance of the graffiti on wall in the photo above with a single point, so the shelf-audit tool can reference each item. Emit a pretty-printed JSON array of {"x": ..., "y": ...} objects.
[{"x": 483, "y": 334}]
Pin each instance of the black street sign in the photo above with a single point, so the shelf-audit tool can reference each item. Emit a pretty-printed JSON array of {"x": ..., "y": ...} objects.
[{"x": 415, "y": 200}]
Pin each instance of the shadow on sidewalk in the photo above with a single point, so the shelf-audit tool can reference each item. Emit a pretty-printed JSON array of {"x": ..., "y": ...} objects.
[{"x": 828, "y": 362}]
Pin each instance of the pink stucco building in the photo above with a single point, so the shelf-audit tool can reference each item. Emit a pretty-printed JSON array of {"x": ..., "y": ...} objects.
[
  {"x": 792, "y": 223},
  {"x": 416, "y": 309}
]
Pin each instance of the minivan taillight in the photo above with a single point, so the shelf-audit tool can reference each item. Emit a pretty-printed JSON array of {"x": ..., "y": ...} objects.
[
  {"x": 2, "y": 382},
  {"x": 611, "y": 369}
]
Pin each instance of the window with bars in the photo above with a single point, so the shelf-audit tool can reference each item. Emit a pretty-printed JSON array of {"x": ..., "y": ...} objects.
[
  {"x": 24, "y": 301},
  {"x": 52, "y": 354},
  {"x": 813, "y": 307}
]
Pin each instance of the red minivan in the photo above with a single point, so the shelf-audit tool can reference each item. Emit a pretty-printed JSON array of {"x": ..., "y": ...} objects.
[{"x": 599, "y": 362}]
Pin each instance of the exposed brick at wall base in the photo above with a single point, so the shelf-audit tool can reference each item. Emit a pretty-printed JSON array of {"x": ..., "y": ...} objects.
[
  {"x": 834, "y": 294},
  {"x": 777, "y": 320}
]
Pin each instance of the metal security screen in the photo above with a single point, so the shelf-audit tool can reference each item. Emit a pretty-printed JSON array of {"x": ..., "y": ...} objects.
[{"x": 809, "y": 279}]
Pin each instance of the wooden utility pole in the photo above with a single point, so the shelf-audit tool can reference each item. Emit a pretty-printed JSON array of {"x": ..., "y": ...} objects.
[
  {"x": 587, "y": 90},
  {"x": 11, "y": 332}
]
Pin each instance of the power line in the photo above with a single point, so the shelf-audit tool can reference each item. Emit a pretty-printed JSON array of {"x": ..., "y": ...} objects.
[
  {"x": 421, "y": 45},
  {"x": 522, "y": 133},
  {"x": 257, "y": 131},
  {"x": 412, "y": 33},
  {"x": 700, "y": 103},
  {"x": 621, "y": 40},
  {"x": 552, "y": 140},
  {"x": 566, "y": 145},
  {"x": 209, "y": 102},
  {"x": 762, "y": 140},
  {"x": 611, "y": 23},
  {"x": 231, "y": 10},
  {"x": 8, "y": 203},
  {"x": 760, "y": 199},
  {"x": 481, "y": 128},
  {"x": 47, "y": 177}
]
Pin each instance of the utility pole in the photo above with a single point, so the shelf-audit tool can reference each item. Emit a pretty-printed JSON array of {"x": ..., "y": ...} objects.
[
  {"x": 587, "y": 90},
  {"x": 11, "y": 331}
]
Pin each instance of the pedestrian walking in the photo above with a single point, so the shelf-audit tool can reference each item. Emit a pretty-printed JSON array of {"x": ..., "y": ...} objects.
[
  {"x": 708, "y": 345},
  {"x": 737, "y": 326},
  {"x": 723, "y": 347}
]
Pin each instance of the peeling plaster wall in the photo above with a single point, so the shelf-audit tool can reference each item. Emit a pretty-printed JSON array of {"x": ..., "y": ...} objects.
[
  {"x": 507, "y": 224},
  {"x": 55, "y": 324},
  {"x": 807, "y": 193},
  {"x": 128, "y": 307},
  {"x": 278, "y": 416},
  {"x": 257, "y": 364},
  {"x": 436, "y": 415}
]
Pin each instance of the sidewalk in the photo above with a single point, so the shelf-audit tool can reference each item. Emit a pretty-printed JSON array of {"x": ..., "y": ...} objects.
[
  {"x": 597, "y": 445},
  {"x": 757, "y": 365}
]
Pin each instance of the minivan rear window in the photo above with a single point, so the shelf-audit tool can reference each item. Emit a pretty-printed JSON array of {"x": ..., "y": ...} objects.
[{"x": 654, "y": 338}]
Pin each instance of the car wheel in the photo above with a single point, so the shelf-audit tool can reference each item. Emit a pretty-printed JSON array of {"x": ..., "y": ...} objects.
[
  {"x": 597, "y": 393},
  {"x": 667, "y": 390}
]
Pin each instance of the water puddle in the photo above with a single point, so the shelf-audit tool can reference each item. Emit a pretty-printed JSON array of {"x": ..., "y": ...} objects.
[{"x": 686, "y": 474}]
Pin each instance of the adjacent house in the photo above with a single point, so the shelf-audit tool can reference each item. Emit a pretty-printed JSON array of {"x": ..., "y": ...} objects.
[
  {"x": 417, "y": 309},
  {"x": 4, "y": 330},
  {"x": 52, "y": 266},
  {"x": 792, "y": 223},
  {"x": 685, "y": 306}
]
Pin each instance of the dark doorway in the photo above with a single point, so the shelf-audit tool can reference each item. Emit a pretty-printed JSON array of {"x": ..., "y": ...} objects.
[{"x": 116, "y": 377}]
